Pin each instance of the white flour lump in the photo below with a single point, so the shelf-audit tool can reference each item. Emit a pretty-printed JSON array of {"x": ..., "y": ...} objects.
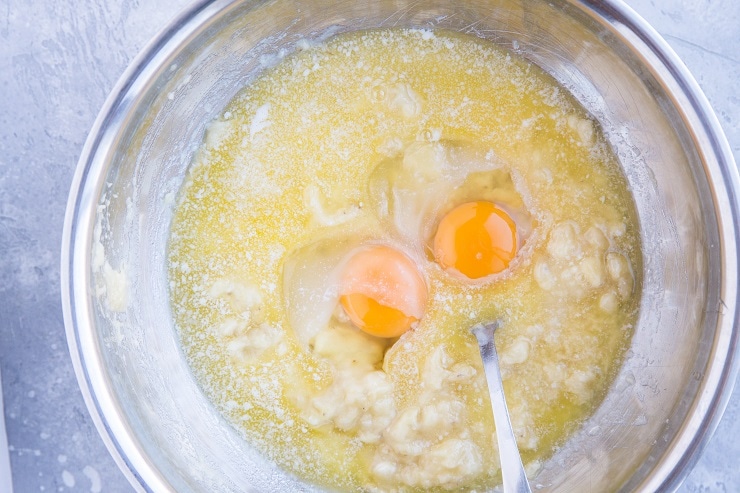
[{"x": 365, "y": 142}]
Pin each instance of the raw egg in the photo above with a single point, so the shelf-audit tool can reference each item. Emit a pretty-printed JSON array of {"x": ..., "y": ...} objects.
[
  {"x": 382, "y": 291},
  {"x": 475, "y": 239}
]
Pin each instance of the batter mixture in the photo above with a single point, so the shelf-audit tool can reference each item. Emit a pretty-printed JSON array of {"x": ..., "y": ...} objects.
[{"x": 354, "y": 212}]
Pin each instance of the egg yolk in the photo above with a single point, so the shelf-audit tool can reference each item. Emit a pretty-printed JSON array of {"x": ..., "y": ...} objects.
[
  {"x": 382, "y": 291},
  {"x": 475, "y": 239}
]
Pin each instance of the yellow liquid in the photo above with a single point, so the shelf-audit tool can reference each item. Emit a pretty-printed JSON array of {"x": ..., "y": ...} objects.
[{"x": 324, "y": 119}]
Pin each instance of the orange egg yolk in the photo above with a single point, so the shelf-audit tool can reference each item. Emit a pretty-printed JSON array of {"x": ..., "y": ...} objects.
[
  {"x": 382, "y": 291},
  {"x": 476, "y": 239}
]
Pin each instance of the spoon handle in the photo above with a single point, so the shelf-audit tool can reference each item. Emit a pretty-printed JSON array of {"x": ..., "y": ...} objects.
[{"x": 512, "y": 470}]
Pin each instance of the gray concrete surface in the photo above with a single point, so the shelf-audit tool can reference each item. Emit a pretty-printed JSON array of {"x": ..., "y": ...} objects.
[{"x": 58, "y": 61}]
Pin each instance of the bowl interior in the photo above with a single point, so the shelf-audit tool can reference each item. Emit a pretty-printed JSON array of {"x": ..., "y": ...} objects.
[{"x": 154, "y": 414}]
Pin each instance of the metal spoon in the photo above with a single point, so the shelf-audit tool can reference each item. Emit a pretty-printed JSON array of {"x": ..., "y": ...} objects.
[{"x": 512, "y": 470}]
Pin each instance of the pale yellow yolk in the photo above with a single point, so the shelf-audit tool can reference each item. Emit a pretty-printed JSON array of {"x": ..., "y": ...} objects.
[
  {"x": 382, "y": 291},
  {"x": 476, "y": 239}
]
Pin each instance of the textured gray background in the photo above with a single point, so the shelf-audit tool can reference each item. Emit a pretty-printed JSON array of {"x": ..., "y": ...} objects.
[{"x": 58, "y": 61}]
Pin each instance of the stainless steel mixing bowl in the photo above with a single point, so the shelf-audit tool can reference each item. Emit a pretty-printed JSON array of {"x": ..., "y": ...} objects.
[{"x": 678, "y": 373}]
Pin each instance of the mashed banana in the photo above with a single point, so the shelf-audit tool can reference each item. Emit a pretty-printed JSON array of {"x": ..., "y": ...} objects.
[{"x": 369, "y": 138}]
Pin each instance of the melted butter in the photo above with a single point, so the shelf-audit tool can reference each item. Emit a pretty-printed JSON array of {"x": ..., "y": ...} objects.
[{"x": 289, "y": 163}]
